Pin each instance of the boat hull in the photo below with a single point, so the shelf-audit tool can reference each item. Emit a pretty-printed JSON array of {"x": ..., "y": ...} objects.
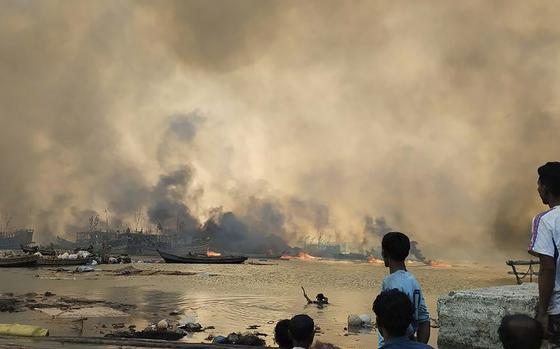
[
  {"x": 18, "y": 261},
  {"x": 194, "y": 259},
  {"x": 57, "y": 262}
]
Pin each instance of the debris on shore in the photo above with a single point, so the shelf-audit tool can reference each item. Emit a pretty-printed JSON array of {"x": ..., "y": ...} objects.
[
  {"x": 130, "y": 270},
  {"x": 63, "y": 307},
  {"x": 162, "y": 330},
  {"x": 22, "y": 330},
  {"x": 247, "y": 338}
]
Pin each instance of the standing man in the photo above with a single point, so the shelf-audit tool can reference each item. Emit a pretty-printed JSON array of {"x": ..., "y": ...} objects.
[{"x": 545, "y": 240}]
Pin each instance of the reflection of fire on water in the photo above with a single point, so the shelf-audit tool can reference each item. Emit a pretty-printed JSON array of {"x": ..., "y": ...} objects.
[
  {"x": 213, "y": 254},
  {"x": 303, "y": 256},
  {"x": 373, "y": 260}
]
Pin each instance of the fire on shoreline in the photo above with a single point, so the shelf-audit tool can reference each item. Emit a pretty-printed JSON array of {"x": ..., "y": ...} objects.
[
  {"x": 373, "y": 260},
  {"x": 303, "y": 256},
  {"x": 213, "y": 254},
  {"x": 436, "y": 264}
]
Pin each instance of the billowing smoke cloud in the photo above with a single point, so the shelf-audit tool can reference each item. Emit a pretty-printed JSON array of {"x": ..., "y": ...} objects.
[
  {"x": 374, "y": 230},
  {"x": 227, "y": 232},
  {"x": 432, "y": 115},
  {"x": 167, "y": 207}
]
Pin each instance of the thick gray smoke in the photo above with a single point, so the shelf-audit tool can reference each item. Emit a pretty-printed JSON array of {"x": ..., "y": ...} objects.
[
  {"x": 166, "y": 203},
  {"x": 374, "y": 230},
  {"x": 434, "y": 115},
  {"x": 227, "y": 232}
]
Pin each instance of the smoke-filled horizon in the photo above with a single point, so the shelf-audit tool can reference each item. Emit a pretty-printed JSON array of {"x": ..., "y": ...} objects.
[{"x": 300, "y": 118}]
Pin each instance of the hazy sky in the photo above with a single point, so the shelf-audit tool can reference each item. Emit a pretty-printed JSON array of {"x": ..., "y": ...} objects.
[{"x": 433, "y": 115}]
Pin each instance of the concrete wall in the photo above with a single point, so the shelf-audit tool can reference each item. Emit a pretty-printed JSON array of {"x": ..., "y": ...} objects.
[{"x": 470, "y": 318}]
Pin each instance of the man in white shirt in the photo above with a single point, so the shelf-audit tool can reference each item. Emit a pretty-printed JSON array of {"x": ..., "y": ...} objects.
[
  {"x": 545, "y": 241},
  {"x": 302, "y": 331}
]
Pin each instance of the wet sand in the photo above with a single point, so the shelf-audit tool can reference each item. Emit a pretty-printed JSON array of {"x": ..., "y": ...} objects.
[{"x": 233, "y": 297}]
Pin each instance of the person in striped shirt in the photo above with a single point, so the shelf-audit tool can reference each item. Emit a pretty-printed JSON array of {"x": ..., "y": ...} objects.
[{"x": 545, "y": 241}]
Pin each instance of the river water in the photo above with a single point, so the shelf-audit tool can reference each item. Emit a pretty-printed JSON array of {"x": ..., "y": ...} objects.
[{"x": 233, "y": 297}]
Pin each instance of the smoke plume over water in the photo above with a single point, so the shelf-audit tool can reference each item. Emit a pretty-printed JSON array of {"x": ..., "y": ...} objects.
[{"x": 294, "y": 117}]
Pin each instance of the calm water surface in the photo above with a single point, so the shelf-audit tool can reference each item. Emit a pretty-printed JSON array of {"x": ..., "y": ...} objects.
[{"x": 233, "y": 297}]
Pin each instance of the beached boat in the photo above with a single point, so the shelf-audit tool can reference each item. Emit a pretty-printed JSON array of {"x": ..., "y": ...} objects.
[
  {"x": 50, "y": 261},
  {"x": 201, "y": 259},
  {"x": 18, "y": 261}
]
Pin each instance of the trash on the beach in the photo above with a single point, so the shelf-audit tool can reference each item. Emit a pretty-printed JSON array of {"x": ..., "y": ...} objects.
[
  {"x": 248, "y": 338},
  {"x": 157, "y": 331},
  {"x": 162, "y": 325},
  {"x": 220, "y": 340},
  {"x": 22, "y": 330},
  {"x": 130, "y": 270},
  {"x": 8, "y": 304},
  {"x": 84, "y": 269},
  {"x": 113, "y": 260},
  {"x": 362, "y": 320},
  {"x": 93, "y": 262},
  {"x": 83, "y": 254},
  {"x": 191, "y": 327}
]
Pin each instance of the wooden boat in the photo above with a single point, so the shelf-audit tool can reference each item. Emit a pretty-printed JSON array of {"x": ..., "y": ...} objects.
[
  {"x": 201, "y": 259},
  {"x": 18, "y": 261},
  {"x": 48, "y": 261}
]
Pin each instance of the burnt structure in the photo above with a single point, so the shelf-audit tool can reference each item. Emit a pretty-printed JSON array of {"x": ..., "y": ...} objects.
[{"x": 15, "y": 239}]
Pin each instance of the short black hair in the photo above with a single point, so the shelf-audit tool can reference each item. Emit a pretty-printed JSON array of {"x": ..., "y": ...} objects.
[
  {"x": 394, "y": 312},
  {"x": 396, "y": 245},
  {"x": 520, "y": 331},
  {"x": 302, "y": 328},
  {"x": 282, "y": 334},
  {"x": 549, "y": 176}
]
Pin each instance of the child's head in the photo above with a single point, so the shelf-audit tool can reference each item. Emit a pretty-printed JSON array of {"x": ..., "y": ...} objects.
[
  {"x": 282, "y": 334},
  {"x": 395, "y": 246}
]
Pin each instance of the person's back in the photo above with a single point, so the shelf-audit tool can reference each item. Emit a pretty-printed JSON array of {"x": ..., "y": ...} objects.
[
  {"x": 520, "y": 332},
  {"x": 395, "y": 247},
  {"x": 302, "y": 331},
  {"x": 282, "y": 334},
  {"x": 394, "y": 313}
]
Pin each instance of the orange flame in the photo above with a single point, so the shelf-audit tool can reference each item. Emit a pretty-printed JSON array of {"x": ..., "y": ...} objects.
[
  {"x": 373, "y": 260},
  {"x": 213, "y": 254},
  {"x": 302, "y": 256},
  {"x": 437, "y": 264}
]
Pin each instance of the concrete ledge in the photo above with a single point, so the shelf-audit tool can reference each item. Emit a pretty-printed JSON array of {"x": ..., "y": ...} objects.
[{"x": 470, "y": 318}]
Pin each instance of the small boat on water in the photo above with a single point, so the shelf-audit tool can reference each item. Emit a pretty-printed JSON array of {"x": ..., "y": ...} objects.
[
  {"x": 201, "y": 259},
  {"x": 18, "y": 261}
]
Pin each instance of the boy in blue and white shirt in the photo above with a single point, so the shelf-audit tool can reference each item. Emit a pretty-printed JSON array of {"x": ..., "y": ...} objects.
[
  {"x": 395, "y": 248},
  {"x": 545, "y": 243}
]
